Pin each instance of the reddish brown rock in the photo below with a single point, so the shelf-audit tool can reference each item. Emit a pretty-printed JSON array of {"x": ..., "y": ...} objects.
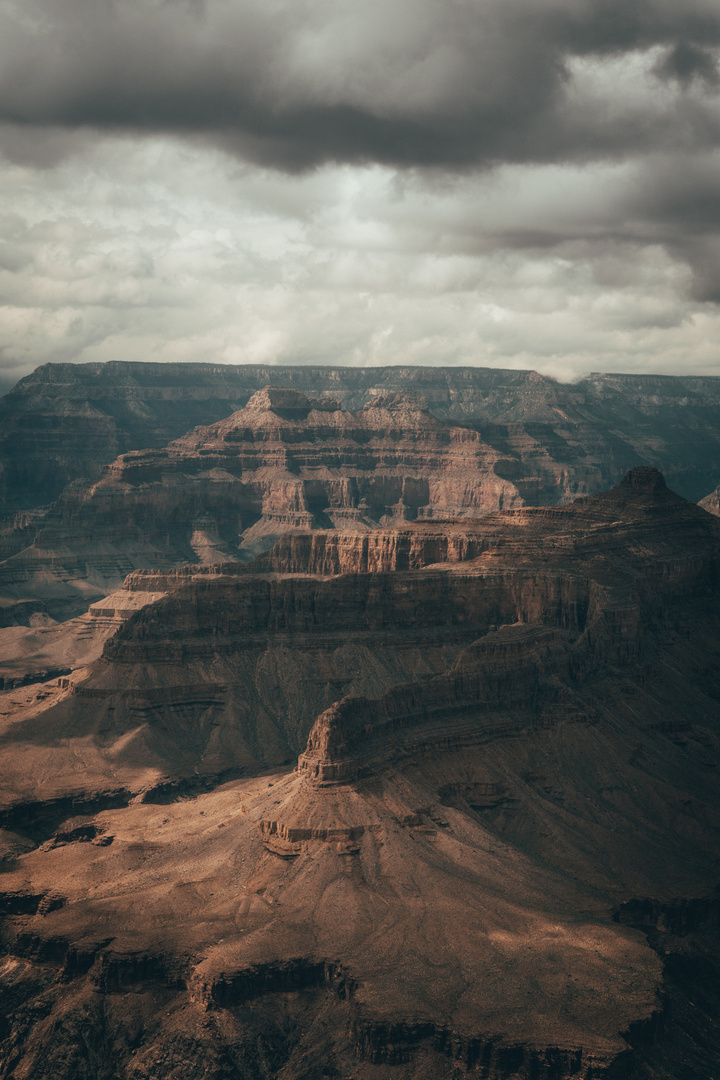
[
  {"x": 508, "y": 734},
  {"x": 287, "y": 461}
]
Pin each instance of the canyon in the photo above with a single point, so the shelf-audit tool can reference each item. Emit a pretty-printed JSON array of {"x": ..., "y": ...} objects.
[
  {"x": 420, "y": 785},
  {"x": 64, "y": 422},
  {"x": 372, "y": 455}
]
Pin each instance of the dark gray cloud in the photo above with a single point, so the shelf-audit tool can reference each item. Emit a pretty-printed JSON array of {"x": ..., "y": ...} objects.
[
  {"x": 611, "y": 26},
  {"x": 445, "y": 83},
  {"x": 677, "y": 203},
  {"x": 687, "y": 62}
]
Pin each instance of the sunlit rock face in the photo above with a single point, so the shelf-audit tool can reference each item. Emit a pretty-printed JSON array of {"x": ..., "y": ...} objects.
[{"x": 433, "y": 799}]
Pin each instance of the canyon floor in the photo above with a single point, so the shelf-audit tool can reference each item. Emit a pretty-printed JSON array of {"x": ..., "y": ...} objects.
[{"x": 426, "y": 800}]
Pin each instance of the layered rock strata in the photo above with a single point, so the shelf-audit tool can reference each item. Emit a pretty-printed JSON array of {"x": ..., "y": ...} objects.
[
  {"x": 226, "y": 492},
  {"x": 65, "y": 421},
  {"x": 288, "y": 463},
  {"x": 506, "y": 729},
  {"x": 45, "y": 649},
  {"x": 232, "y": 667}
]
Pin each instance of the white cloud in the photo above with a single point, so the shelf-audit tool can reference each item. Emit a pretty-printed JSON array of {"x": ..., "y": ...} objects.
[{"x": 142, "y": 249}]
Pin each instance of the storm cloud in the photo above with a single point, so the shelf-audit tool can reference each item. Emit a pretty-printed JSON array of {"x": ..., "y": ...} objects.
[
  {"x": 403, "y": 82},
  {"x": 525, "y": 182}
]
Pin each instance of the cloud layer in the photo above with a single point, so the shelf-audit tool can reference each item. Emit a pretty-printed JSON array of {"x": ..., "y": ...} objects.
[
  {"x": 295, "y": 83},
  {"x": 520, "y": 182}
]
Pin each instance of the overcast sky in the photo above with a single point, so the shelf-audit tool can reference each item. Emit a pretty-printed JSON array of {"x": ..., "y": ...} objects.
[{"x": 516, "y": 183}]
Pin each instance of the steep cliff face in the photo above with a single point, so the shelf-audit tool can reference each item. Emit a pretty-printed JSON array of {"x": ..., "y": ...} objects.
[
  {"x": 506, "y": 733},
  {"x": 241, "y": 658},
  {"x": 65, "y": 421},
  {"x": 295, "y": 456},
  {"x": 525, "y": 673}
]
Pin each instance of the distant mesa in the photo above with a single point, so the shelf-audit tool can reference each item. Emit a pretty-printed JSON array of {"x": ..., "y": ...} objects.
[{"x": 283, "y": 463}]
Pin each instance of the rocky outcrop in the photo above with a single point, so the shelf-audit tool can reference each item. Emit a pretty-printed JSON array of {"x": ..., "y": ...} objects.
[
  {"x": 711, "y": 502},
  {"x": 291, "y": 455},
  {"x": 233, "y": 666},
  {"x": 28, "y": 678},
  {"x": 528, "y": 675},
  {"x": 388, "y": 480},
  {"x": 678, "y": 918},
  {"x": 582, "y": 529},
  {"x": 503, "y": 685},
  {"x": 46, "y": 651},
  {"x": 66, "y": 421}
]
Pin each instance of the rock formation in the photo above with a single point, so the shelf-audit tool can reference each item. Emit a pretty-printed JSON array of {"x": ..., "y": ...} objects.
[
  {"x": 65, "y": 421},
  {"x": 433, "y": 800},
  {"x": 711, "y": 502},
  {"x": 286, "y": 462},
  {"x": 227, "y": 491}
]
